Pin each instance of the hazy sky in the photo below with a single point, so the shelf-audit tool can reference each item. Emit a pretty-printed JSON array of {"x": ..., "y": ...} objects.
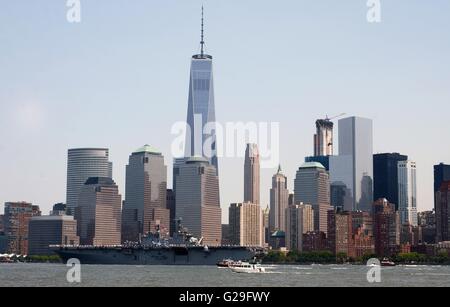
[{"x": 119, "y": 79}]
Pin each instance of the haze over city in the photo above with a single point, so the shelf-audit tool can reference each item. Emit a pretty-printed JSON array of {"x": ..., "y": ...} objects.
[{"x": 119, "y": 79}]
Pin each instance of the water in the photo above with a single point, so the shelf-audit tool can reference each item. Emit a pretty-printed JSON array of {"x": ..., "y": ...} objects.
[{"x": 51, "y": 275}]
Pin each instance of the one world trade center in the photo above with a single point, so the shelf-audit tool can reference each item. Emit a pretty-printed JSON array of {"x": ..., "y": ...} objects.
[{"x": 201, "y": 117}]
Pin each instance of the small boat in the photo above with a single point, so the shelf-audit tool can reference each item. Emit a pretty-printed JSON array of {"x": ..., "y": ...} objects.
[
  {"x": 246, "y": 267},
  {"x": 225, "y": 263},
  {"x": 386, "y": 262}
]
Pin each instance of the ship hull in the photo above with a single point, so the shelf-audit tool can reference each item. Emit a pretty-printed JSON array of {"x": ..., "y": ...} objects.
[{"x": 156, "y": 256}]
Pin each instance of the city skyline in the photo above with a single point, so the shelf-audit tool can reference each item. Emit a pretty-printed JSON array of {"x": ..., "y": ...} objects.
[{"x": 46, "y": 115}]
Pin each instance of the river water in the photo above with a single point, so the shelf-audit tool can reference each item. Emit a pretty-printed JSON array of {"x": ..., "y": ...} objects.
[{"x": 50, "y": 275}]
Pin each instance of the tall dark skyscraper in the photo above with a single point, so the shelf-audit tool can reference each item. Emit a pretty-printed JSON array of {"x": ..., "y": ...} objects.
[
  {"x": 443, "y": 212},
  {"x": 385, "y": 176},
  {"x": 201, "y": 117},
  {"x": 441, "y": 174}
]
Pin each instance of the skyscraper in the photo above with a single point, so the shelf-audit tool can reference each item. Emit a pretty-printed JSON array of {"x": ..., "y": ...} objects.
[
  {"x": 17, "y": 219},
  {"x": 323, "y": 139},
  {"x": 83, "y": 164},
  {"x": 341, "y": 196},
  {"x": 98, "y": 213},
  {"x": 441, "y": 175},
  {"x": 407, "y": 196},
  {"x": 443, "y": 213},
  {"x": 252, "y": 175},
  {"x": 246, "y": 224},
  {"x": 279, "y": 198},
  {"x": 197, "y": 200},
  {"x": 145, "y": 207},
  {"x": 299, "y": 221},
  {"x": 2, "y": 224},
  {"x": 266, "y": 224},
  {"x": 312, "y": 186},
  {"x": 3, "y": 238},
  {"x": 354, "y": 165},
  {"x": 171, "y": 205},
  {"x": 201, "y": 117},
  {"x": 385, "y": 176}
]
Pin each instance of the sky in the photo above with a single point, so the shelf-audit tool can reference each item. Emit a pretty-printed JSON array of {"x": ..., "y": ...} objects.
[{"x": 119, "y": 79}]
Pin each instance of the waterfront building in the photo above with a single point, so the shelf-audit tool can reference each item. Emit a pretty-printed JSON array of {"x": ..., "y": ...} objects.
[
  {"x": 354, "y": 164},
  {"x": 385, "y": 176},
  {"x": 443, "y": 213},
  {"x": 197, "y": 199},
  {"x": 246, "y": 224},
  {"x": 314, "y": 241},
  {"x": 441, "y": 175},
  {"x": 51, "y": 230},
  {"x": 145, "y": 206},
  {"x": 16, "y": 223},
  {"x": 299, "y": 221},
  {"x": 279, "y": 199},
  {"x": 340, "y": 240},
  {"x": 407, "y": 196},
  {"x": 427, "y": 222},
  {"x": 98, "y": 213},
  {"x": 387, "y": 228},
  {"x": 82, "y": 164},
  {"x": 363, "y": 244}
]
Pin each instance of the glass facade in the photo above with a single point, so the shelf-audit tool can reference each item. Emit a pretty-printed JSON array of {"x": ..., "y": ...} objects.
[
  {"x": 386, "y": 176},
  {"x": 201, "y": 142},
  {"x": 83, "y": 164},
  {"x": 407, "y": 186},
  {"x": 354, "y": 165}
]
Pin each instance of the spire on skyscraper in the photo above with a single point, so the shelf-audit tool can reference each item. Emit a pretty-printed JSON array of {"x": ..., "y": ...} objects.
[
  {"x": 279, "y": 169},
  {"x": 202, "y": 41}
]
